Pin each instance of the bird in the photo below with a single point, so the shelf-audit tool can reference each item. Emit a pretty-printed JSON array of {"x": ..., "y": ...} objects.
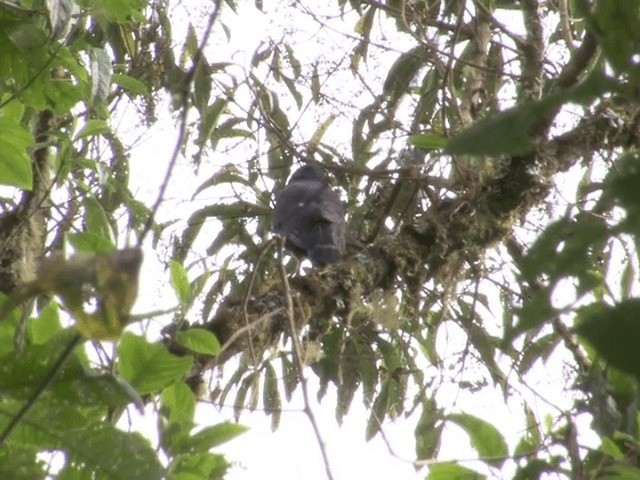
[{"x": 310, "y": 216}]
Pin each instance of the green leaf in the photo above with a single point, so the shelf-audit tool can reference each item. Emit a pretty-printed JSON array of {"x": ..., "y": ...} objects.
[
  {"x": 100, "y": 75},
  {"x": 19, "y": 461},
  {"x": 202, "y": 85},
  {"x": 210, "y": 437},
  {"x": 617, "y": 21},
  {"x": 378, "y": 412},
  {"x": 198, "y": 466},
  {"x": 27, "y": 37},
  {"x": 609, "y": 447},
  {"x": 95, "y": 219},
  {"x": 90, "y": 242},
  {"x": 199, "y": 340},
  {"x": 428, "y": 141},
  {"x": 402, "y": 72},
  {"x": 42, "y": 328},
  {"x": 12, "y": 111},
  {"x": 227, "y": 174},
  {"x": 428, "y": 431},
  {"x": 85, "y": 439},
  {"x": 503, "y": 133},
  {"x": 15, "y": 164},
  {"x": 619, "y": 472},
  {"x": 248, "y": 383},
  {"x": 271, "y": 396},
  {"x": 452, "y": 471},
  {"x": 485, "y": 438},
  {"x": 534, "y": 469},
  {"x": 180, "y": 283},
  {"x": 60, "y": 16},
  {"x": 21, "y": 373},
  {"x": 149, "y": 367},
  {"x": 93, "y": 128},
  {"x": 508, "y": 132},
  {"x": 534, "y": 312},
  {"x": 132, "y": 85},
  {"x": 191, "y": 44},
  {"x": 613, "y": 331},
  {"x": 178, "y": 403}
]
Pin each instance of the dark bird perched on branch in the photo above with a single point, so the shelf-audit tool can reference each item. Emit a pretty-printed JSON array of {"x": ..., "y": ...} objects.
[{"x": 311, "y": 217}]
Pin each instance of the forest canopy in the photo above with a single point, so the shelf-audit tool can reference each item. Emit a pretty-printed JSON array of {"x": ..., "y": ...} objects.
[{"x": 486, "y": 152}]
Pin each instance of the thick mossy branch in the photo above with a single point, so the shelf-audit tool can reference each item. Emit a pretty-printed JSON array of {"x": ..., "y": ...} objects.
[
  {"x": 436, "y": 245},
  {"x": 24, "y": 228}
]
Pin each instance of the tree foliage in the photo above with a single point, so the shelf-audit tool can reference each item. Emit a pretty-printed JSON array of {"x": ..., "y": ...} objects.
[{"x": 487, "y": 154}]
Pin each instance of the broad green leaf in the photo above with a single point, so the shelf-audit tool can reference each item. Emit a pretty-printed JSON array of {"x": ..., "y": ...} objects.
[
  {"x": 19, "y": 461},
  {"x": 609, "y": 447},
  {"x": 428, "y": 141},
  {"x": 402, "y": 72},
  {"x": 539, "y": 349},
  {"x": 60, "y": 15},
  {"x": 210, "y": 437},
  {"x": 95, "y": 219},
  {"x": 100, "y": 75},
  {"x": 27, "y": 37},
  {"x": 12, "y": 111},
  {"x": 617, "y": 22},
  {"x": 428, "y": 431},
  {"x": 378, "y": 412},
  {"x": 452, "y": 471},
  {"x": 149, "y": 367},
  {"x": 508, "y": 132},
  {"x": 503, "y": 133},
  {"x": 90, "y": 242},
  {"x": 485, "y": 438},
  {"x": 179, "y": 403},
  {"x": 620, "y": 472},
  {"x": 15, "y": 164},
  {"x": 197, "y": 466},
  {"x": 130, "y": 84},
  {"x": 45, "y": 325},
  {"x": 180, "y": 283},
  {"x": 22, "y": 373},
  {"x": 85, "y": 439},
  {"x": 534, "y": 469},
  {"x": 534, "y": 312},
  {"x": 613, "y": 331},
  {"x": 199, "y": 340},
  {"x": 92, "y": 128},
  {"x": 202, "y": 85}
]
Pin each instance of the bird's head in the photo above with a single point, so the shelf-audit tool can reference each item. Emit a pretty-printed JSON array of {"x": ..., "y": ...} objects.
[{"x": 309, "y": 172}]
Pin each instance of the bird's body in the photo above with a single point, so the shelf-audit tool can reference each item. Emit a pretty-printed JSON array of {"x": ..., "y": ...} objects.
[{"x": 310, "y": 215}]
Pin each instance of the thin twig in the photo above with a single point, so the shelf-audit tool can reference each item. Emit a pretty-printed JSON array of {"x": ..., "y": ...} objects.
[
  {"x": 297, "y": 355},
  {"x": 247, "y": 295},
  {"x": 197, "y": 58},
  {"x": 242, "y": 330},
  {"x": 41, "y": 388}
]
